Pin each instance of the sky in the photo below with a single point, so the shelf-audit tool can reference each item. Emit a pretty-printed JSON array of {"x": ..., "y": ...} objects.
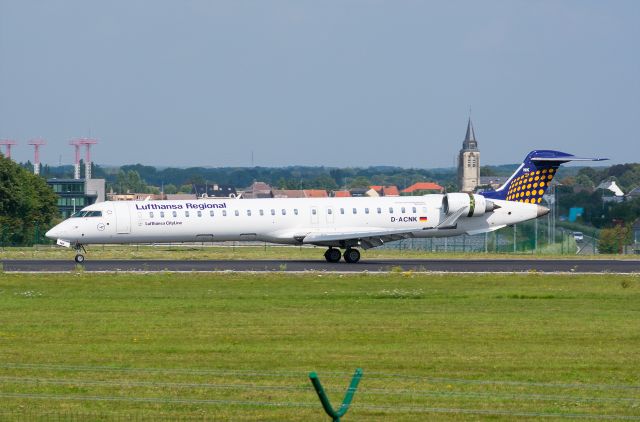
[{"x": 332, "y": 83}]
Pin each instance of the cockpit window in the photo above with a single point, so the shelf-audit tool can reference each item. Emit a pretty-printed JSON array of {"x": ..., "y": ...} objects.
[{"x": 87, "y": 214}]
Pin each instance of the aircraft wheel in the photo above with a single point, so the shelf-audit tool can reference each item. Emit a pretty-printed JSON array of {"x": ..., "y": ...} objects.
[
  {"x": 351, "y": 255},
  {"x": 79, "y": 258},
  {"x": 332, "y": 255}
]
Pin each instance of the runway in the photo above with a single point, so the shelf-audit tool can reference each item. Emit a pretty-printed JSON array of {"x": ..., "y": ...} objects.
[{"x": 370, "y": 265}]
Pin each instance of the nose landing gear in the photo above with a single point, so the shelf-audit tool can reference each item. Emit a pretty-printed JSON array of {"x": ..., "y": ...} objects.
[{"x": 79, "y": 257}]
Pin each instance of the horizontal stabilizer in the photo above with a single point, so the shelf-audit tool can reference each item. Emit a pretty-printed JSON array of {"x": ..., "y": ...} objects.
[{"x": 566, "y": 160}]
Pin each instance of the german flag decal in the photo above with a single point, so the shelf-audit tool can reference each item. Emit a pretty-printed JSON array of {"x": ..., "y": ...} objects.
[{"x": 423, "y": 219}]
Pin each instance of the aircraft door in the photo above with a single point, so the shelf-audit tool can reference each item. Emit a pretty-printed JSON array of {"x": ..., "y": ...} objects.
[
  {"x": 123, "y": 217},
  {"x": 329, "y": 211},
  {"x": 314, "y": 215}
]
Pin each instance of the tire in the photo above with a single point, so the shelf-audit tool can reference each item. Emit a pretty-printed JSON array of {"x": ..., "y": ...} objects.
[
  {"x": 79, "y": 259},
  {"x": 332, "y": 255},
  {"x": 352, "y": 256}
]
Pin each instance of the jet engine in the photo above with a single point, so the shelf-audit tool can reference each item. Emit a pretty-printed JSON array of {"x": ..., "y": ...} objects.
[{"x": 474, "y": 205}]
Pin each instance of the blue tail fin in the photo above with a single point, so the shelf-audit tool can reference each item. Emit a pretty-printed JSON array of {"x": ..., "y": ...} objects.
[{"x": 532, "y": 178}]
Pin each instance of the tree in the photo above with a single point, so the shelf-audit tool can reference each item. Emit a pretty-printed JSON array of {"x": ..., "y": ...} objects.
[
  {"x": 488, "y": 171},
  {"x": 185, "y": 189},
  {"x": 614, "y": 239},
  {"x": 27, "y": 204},
  {"x": 170, "y": 189},
  {"x": 130, "y": 181},
  {"x": 359, "y": 182}
]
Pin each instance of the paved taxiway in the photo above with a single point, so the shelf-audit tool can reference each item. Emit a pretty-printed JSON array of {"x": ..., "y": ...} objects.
[{"x": 371, "y": 265}]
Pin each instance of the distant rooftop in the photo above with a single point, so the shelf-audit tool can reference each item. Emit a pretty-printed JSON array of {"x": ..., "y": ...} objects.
[{"x": 421, "y": 186}]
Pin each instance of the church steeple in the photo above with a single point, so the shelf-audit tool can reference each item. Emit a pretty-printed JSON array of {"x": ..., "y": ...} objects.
[
  {"x": 469, "y": 161},
  {"x": 470, "y": 142}
]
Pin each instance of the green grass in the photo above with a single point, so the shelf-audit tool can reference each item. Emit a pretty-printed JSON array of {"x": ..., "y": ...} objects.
[
  {"x": 516, "y": 344},
  {"x": 269, "y": 252}
]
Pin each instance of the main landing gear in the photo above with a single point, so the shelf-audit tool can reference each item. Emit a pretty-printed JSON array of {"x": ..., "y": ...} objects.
[
  {"x": 79, "y": 257},
  {"x": 350, "y": 255}
]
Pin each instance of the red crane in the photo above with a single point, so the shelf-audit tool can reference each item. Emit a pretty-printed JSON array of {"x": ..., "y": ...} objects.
[
  {"x": 87, "y": 142},
  {"x": 37, "y": 143},
  {"x": 8, "y": 143}
]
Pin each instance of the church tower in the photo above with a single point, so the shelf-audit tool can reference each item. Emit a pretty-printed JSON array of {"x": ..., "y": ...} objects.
[{"x": 469, "y": 162}]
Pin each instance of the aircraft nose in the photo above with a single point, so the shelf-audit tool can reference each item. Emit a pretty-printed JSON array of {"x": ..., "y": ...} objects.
[
  {"x": 54, "y": 233},
  {"x": 540, "y": 211}
]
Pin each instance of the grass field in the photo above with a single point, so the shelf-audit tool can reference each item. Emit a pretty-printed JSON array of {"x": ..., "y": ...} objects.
[
  {"x": 185, "y": 252},
  {"x": 236, "y": 346}
]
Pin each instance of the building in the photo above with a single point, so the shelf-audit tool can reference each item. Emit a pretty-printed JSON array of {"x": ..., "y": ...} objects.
[
  {"x": 288, "y": 193},
  {"x": 493, "y": 182},
  {"x": 385, "y": 190},
  {"x": 634, "y": 193},
  {"x": 358, "y": 192},
  {"x": 180, "y": 196},
  {"x": 423, "y": 188},
  {"x": 315, "y": 193},
  {"x": 136, "y": 196},
  {"x": 341, "y": 194},
  {"x": 469, "y": 162},
  {"x": 257, "y": 190},
  {"x": 300, "y": 193},
  {"x": 214, "y": 191},
  {"x": 75, "y": 194}
]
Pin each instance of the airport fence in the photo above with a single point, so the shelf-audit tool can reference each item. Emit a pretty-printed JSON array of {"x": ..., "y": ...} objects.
[{"x": 524, "y": 238}]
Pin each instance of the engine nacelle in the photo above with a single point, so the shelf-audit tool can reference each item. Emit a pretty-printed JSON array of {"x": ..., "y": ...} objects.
[{"x": 475, "y": 205}]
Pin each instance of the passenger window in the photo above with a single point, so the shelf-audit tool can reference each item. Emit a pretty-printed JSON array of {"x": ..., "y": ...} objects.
[
  {"x": 186, "y": 213},
  {"x": 341, "y": 210},
  {"x": 224, "y": 213},
  {"x": 161, "y": 214},
  {"x": 249, "y": 213},
  {"x": 355, "y": 211},
  {"x": 313, "y": 211},
  {"x": 236, "y": 212},
  {"x": 199, "y": 213},
  {"x": 329, "y": 211},
  {"x": 175, "y": 214},
  {"x": 295, "y": 211},
  {"x": 379, "y": 210},
  {"x": 273, "y": 212},
  {"x": 390, "y": 210},
  {"x": 211, "y": 213},
  {"x": 402, "y": 210},
  {"x": 151, "y": 214},
  {"x": 284, "y": 212},
  {"x": 261, "y": 212},
  {"x": 414, "y": 210},
  {"x": 366, "y": 210}
]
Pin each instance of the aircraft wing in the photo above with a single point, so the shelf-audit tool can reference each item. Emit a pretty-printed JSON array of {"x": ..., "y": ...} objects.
[
  {"x": 450, "y": 221},
  {"x": 368, "y": 238}
]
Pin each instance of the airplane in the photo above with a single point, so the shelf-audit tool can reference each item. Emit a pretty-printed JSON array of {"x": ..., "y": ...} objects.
[{"x": 335, "y": 223}]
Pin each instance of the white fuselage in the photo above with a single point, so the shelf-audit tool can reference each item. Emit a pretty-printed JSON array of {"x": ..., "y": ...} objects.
[{"x": 286, "y": 220}]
